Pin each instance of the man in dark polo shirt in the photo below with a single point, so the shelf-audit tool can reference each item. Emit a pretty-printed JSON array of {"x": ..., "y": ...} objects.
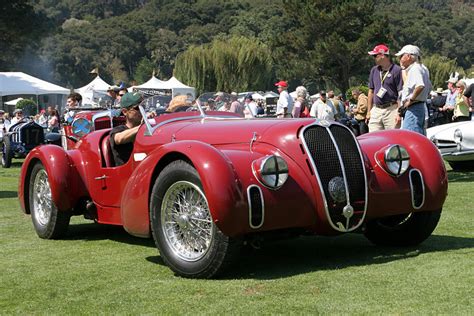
[
  {"x": 385, "y": 84},
  {"x": 123, "y": 136}
]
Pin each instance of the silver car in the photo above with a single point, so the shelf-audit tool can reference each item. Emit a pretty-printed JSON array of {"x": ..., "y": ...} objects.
[{"x": 455, "y": 142}]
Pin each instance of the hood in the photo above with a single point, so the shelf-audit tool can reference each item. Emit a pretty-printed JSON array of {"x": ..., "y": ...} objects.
[
  {"x": 230, "y": 131},
  {"x": 446, "y": 131}
]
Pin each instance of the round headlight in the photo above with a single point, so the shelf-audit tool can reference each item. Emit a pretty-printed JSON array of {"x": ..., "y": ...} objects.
[
  {"x": 397, "y": 160},
  {"x": 271, "y": 171},
  {"x": 81, "y": 127},
  {"x": 457, "y": 136}
]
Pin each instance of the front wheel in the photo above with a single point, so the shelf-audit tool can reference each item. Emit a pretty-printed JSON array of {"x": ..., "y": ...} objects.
[
  {"x": 49, "y": 222},
  {"x": 188, "y": 240},
  {"x": 402, "y": 230},
  {"x": 7, "y": 154}
]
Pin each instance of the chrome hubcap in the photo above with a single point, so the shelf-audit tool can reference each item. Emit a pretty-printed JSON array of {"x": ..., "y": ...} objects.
[
  {"x": 42, "y": 202},
  {"x": 186, "y": 221}
]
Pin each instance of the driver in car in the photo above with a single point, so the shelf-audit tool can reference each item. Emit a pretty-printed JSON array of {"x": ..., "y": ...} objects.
[{"x": 123, "y": 136}]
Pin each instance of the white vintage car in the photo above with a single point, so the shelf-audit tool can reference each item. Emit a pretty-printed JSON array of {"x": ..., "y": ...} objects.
[{"x": 455, "y": 142}]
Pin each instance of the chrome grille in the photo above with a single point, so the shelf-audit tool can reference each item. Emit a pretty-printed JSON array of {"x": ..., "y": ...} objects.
[{"x": 337, "y": 160}]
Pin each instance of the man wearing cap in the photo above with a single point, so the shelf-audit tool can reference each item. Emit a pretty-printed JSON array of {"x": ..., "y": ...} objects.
[
  {"x": 17, "y": 116},
  {"x": 385, "y": 84},
  {"x": 123, "y": 136},
  {"x": 451, "y": 97},
  {"x": 112, "y": 92},
  {"x": 416, "y": 89},
  {"x": 322, "y": 109},
  {"x": 250, "y": 107},
  {"x": 285, "y": 102}
]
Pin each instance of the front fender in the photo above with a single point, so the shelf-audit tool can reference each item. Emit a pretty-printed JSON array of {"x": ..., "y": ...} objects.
[
  {"x": 62, "y": 177},
  {"x": 391, "y": 195},
  {"x": 218, "y": 179}
]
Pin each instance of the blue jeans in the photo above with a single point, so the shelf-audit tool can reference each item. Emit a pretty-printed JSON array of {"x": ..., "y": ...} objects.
[{"x": 414, "y": 119}]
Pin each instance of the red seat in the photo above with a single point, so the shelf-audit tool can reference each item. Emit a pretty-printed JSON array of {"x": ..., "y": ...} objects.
[{"x": 106, "y": 149}]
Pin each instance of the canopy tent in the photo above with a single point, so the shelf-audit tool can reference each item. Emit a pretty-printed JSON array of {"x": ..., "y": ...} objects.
[
  {"x": 14, "y": 83},
  {"x": 93, "y": 91},
  {"x": 270, "y": 94},
  {"x": 157, "y": 86},
  {"x": 13, "y": 102}
]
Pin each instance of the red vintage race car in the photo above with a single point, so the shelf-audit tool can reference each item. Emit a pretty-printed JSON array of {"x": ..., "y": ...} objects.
[{"x": 204, "y": 183}]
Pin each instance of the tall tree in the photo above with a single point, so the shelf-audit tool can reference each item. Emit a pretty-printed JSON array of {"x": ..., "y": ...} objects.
[
  {"x": 330, "y": 39},
  {"x": 238, "y": 63}
]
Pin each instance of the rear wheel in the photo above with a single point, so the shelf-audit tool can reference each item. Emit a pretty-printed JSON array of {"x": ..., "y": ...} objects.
[
  {"x": 49, "y": 222},
  {"x": 402, "y": 230},
  {"x": 6, "y": 152},
  {"x": 188, "y": 240}
]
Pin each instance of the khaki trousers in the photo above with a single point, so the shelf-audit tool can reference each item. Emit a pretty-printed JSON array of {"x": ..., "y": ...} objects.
[{"x": 381, "y": 119}]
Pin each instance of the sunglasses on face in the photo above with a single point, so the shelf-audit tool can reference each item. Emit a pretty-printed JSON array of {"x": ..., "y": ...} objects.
[{"x": 135, "y": 107}]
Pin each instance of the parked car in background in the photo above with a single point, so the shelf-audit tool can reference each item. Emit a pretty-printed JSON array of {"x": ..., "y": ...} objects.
[
  {"x": 455, "y": 142},
  {"x": 203, "y": 183},
  {"x": 20, "y": 139}
]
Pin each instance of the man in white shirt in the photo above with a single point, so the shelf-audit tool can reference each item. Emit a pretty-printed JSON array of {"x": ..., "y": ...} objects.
[
  {"x": 285, "y": 102},
  {"x": 322, "y": 108},
  {"x": 416, "y": 89}
]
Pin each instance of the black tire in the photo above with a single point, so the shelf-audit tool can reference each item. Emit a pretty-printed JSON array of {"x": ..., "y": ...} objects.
[
  {"x": 49, "y": 223},
  {"x": 462, "y": 165},
  {"x": 402, "y": 230},
  {"x": 7, "y": 154},
  {"x": 185, "y": 254}
]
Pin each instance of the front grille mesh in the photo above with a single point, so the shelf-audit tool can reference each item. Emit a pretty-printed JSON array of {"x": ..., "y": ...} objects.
[{"x": 328, "y": 166}]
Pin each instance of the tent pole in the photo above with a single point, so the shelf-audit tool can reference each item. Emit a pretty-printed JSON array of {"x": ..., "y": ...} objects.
[{"x": 37, "y": 105}]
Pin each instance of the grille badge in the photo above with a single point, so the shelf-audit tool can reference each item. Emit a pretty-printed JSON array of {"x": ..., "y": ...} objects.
[{"x": 337, "y": 189}]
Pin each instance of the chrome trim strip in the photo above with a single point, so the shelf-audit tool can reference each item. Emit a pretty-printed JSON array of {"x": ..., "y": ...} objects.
[
  {"x": 250, "y": 206},
  {"x": 313, "y": 165},
  {"x": 411, "y": 189}
]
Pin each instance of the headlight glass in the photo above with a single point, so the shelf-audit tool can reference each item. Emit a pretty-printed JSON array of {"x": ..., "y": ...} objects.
[
  {"x": 81, "y": 127},
  {"x": 457, "y": 136},
  {"x": 397, "y": 160},
  {"x": 274, "y": 172}
]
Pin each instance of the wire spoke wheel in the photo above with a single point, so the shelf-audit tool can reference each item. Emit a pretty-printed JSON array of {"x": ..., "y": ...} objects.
[
  {"x": 42, "y": 198},
  {"x": 186, "y": 221}
]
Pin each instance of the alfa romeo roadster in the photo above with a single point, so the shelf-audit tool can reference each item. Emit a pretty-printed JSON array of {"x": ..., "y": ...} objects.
[{"x": 205, "y": 183}]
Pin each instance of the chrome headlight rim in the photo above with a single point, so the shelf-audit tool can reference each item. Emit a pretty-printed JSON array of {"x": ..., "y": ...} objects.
[
  {"x": 79, "y": 129},
  {"x": 397, "y": 160},
  {"x": 271, "y": 171},
  {"x": 457, "y": 136}
]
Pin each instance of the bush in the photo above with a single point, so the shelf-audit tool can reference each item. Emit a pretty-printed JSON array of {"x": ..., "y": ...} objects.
[
  {"x": 28, "y": 107},
  {"x": 362, "y": 88}
]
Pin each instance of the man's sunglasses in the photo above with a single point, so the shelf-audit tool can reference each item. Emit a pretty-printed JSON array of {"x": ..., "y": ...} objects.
[{"x": 134, "y": 107}]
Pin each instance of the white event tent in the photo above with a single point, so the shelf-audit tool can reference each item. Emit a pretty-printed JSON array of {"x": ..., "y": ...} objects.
[
  {"x": 15, "y": 83},
  {"x": 19, "y": 83},
  {"x": 94, "y": 90}
]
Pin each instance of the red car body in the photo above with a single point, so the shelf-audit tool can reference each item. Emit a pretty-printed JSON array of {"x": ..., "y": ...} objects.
[{"x": 226, "y": 152}]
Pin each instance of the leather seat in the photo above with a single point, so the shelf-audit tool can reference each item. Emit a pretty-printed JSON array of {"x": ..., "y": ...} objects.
[{"x": 106, "y": 149}]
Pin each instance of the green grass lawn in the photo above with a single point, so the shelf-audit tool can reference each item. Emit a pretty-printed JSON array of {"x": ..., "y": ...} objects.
[{"x": 102, "y": 270}]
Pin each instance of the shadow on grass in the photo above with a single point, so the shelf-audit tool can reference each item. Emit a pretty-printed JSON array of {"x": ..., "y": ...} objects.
[
  {"x": 8, "y": 194},
  {"x": 460, "y": 176},
  {"x": 307, "y": 254},
  {"x": 291, "y": 257},
  {"x": 94, "y": 231}
]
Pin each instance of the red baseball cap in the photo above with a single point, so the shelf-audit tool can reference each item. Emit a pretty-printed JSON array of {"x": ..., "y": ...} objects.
[
  {"x": 282, "y": 83},
  {"x": 380, "y": 49}
]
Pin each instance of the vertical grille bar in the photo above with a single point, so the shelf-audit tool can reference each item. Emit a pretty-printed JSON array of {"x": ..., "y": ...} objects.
[{"x": 338, "y": 162}]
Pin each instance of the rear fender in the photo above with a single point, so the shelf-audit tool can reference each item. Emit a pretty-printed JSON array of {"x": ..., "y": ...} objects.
[
  {"x": 219, "y": 182},
  {"x": 64, "y": 181}
]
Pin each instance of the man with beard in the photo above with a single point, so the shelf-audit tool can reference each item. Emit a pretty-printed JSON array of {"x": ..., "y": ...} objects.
[{"x": 123, "y": 136}]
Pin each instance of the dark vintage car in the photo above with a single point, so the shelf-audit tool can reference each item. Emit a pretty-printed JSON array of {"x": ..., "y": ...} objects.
[
  {"x": 205, "y": 183},
  {"x": 20, "y": 139}
]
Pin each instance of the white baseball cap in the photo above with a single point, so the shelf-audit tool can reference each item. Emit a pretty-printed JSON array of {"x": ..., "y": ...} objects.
[{"x": 409, "y": 49}]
